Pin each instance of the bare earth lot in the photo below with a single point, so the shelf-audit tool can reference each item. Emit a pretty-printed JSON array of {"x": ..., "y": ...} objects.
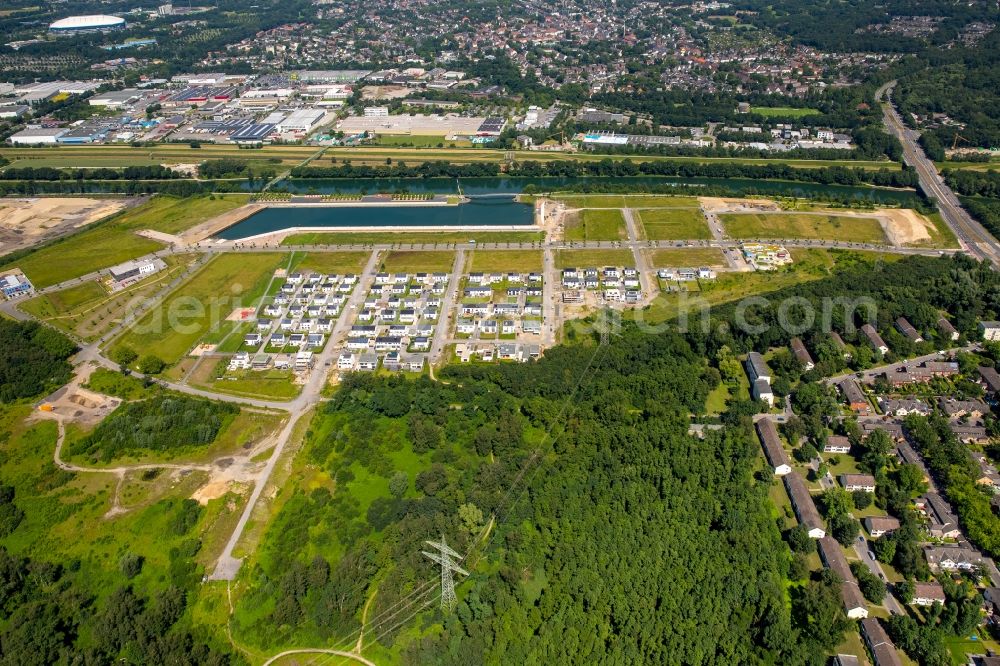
[{"x": 27, "y": 222}]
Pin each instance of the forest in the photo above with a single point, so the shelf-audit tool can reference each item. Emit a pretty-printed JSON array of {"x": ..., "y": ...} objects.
[
  {"x": 618, "y": 537},
  {"x": 160, "y": 423},
  {"x": 33, "y": 360}
]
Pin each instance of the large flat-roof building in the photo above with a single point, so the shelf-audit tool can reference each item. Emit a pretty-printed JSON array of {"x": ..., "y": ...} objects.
[{"x": 88, "y": 23}]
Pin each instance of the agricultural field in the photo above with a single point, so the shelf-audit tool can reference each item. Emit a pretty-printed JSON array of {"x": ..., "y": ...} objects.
[
  {"x": 522, "y": 261},
  {"x": 803, "y": 225},
  {"x": 114, "y": 240},
  {"x": 670, "y": 224},
  {"x": 595, "y": 258},
  {"x": 88, "y": 310},
  {"x": 696, "y": 256},
  {"x": 199, "y": 308},
  {"x": 594, "y": 224},
  {"x": 403, "y": 261},
  {"x": 412, "y": 237}
]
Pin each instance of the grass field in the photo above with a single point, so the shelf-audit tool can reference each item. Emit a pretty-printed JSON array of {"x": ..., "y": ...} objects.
[
  {"x": 792, "y": 225},
  {"x": 115, "y": 241},
  {"x": 667, "y": 224},
  {"x": 88, "y": 310},
  {"x": 200, "y": 306},
  {"x": 524, "y": 261},
  {"x": 403, "y": 261},
  {"x": 593, "y": 258},
  {"x": 940, "y": 233},
  {"x": 412, "y": 237},
  {"x": 271, "y": 383},
  {"x": 332, "y": 262},
  {"x": 696, "y": 256},
  {"x": 783, "y": 111},
  {"x": 82, "y": 162},
  {"x": 590, "y": 224},
  {"x": 420, "y": 141},
  {"x": 810, "y": 264},
  {"x": 291, "y": 155}
]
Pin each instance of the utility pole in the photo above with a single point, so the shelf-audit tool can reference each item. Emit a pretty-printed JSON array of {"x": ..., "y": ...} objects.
[{"x": 448, "y": 598}]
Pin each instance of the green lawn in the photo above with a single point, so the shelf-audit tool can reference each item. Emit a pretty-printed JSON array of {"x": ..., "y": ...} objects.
[
  {"x": 115, "y": 241},
  {"x": 523, "y": 261},
  {"x": 695, "y": 256},
  {"x": 88, "y": 311},
  {"x": 595, "y": 224},
  {"x": 332, "y": 262},
  {"x": 272, "y": 383},
  {"x": 405, "y": 261},
  {"x": 412, "y": 237},
  {"x": 200, "y": 306},
  {"x": 783, "y": 111},
  {"x": 593, "y": 258},
  {"x": 802, "y": 225},
  {"x": 667, "y": 224}
]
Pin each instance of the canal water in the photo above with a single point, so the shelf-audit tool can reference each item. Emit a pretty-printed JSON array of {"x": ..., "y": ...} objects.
[
  {"x": 491, "y": 200},
  {"x": 482, "y": 211}
]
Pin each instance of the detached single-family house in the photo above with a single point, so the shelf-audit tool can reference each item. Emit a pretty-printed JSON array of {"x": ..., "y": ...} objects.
[
  {"x": 927, "y": 594},
  {"x": 852, "y": 482},
  {"x": 880, "y": 525}
]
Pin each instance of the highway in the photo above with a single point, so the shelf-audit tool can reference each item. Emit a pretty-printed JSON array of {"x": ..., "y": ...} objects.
[{"x": 973, "y": 236}]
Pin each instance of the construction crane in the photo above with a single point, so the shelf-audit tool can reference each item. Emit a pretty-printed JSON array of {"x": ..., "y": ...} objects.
[{"x": 957, "y": 137}]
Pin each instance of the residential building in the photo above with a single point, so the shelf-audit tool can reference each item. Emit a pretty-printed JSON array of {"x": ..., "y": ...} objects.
[
  {"x": 953, "y": 558},
  {"x": 955, "y": 409},
  {"x": 989, "y": 379},
  {"x": 773, "y": 450},
  {"x": 907, "y": 329},
  {"x": 927, "y": 594},
  {"x": 802, "y": 354},
  {"x": 947, "y": 330},
  {"x": 855, "y": 397},
  {"x": 883, "y": 650},
  {"x": 942, "y": 523},
  {"x": 874, "y": 339},
  {"x": 852, "y": 482},
  {"x": 880, "y": 525},
  {"x": 903, "y": 406},
  {"x": 757, "y": 368},
  {"x": 761, "y": 390},
  {"x": 832, "y": 555},
  {"x": 988, "y": 330},
  {"x": 803, "y": 505},
  {"x": 837, "y": 444}
]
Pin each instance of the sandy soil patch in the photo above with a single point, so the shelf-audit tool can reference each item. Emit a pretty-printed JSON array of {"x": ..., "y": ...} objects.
[
  {"x": 211, "y": 227},
  {"x": 202, "y": 350},
  {"x": 904, "y": 226},
  {"x": 25, "y": 222},
  {"x": 210, "y": 491},
  {"x": 730, "y": 205},
  {"x": 241, "y": 314},
  {"x": 384, "y": 92},
  {"x": 79, "y": 405}
]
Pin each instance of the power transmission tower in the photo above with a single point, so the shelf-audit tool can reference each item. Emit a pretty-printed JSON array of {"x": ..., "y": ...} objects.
[{"x": 448, "y": 598}]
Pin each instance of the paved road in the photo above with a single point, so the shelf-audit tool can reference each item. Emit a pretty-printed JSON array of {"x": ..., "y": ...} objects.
[
  {"x": 650, "y": 286},
  {"x": 446, "y": 313},
  {"x": 861, "y": 548},
  {"x": 228, "y": 566},
  {"x": 871, "y": 373},
  {"x": 973, "y": 236}
]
